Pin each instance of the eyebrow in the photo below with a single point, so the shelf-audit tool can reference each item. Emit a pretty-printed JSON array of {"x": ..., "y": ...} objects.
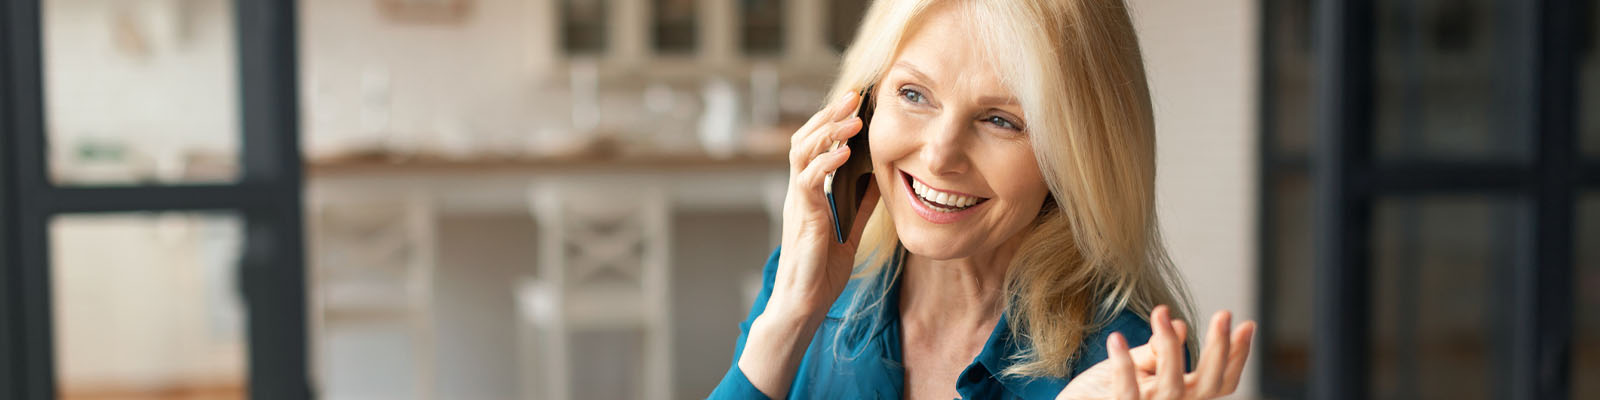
[{"x": 984, "y": 100}]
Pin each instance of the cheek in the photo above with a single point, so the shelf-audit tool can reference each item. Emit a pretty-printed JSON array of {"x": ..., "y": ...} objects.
[
  {"x": 1017, "y": 176},
  {"x": 892, "y": 139}
]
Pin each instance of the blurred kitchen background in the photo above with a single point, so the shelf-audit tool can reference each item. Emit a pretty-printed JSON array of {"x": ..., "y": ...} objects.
[{"x": 531, "y": 199}]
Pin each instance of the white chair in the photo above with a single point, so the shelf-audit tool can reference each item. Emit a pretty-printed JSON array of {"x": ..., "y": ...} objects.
[
  {"x": 372, "y": 261},
  {"x": 602, "y": 273}
]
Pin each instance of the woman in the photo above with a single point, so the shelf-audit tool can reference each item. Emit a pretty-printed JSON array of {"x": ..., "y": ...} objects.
[{"x": 1013, "y": 252}]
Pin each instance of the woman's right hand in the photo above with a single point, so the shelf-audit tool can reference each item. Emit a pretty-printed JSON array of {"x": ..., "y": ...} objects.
[
  {"x": 1155, "y": 371},
  {"x": 813, "y": 266}
]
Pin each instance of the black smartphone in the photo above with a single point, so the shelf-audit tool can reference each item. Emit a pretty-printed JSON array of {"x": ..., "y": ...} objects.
[{"x": 847, "y": 185}]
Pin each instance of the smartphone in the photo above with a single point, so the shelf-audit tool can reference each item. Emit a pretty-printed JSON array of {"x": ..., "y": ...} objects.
[{"x": 847, "y": 185}]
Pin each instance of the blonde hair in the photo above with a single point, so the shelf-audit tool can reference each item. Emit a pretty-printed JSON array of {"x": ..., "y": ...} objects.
[{"x": 1095, "y": 249}]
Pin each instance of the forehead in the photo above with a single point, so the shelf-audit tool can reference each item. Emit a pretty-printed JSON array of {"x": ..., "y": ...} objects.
[{"x": 946, "y": 45}]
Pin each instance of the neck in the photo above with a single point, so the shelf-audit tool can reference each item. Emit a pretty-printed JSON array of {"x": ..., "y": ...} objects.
[{"x": 959, "y": 294}]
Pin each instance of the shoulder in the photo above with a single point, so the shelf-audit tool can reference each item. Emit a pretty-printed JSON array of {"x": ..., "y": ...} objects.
[{"x": 1133, "y": 327}]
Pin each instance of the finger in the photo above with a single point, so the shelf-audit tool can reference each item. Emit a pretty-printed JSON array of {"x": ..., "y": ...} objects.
[
  {"x": 802, "y": 153},
  {"x": 1148, "y": 389},
  {"x": 1169, "y": 354},
  {"x": 805, "y": 131},
  {"x": 1238, "y": 354},
  {"x": 846, "y": 132},
  {"x": 834, "y": 111},
  {"x": 812, "y": 176},
  {"x": 846, "y": 107},
  {"x": 804, "y": 146},
  {"x": 1182, "y": 330},
  {"x": 1125, "y": 384},
  {"x": 835, "y": 133},
  {"x": 1214, "y": 357}
]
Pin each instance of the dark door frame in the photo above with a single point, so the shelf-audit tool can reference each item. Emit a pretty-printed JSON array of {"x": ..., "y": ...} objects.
[
  {"x": 1543, "y": 39},
  {"x": 267, "y": 195}
]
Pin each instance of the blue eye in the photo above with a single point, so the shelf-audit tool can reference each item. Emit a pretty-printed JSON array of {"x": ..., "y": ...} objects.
[
  {"x": 1001, "y": 122},
  {"x": 911, "y": 95}
]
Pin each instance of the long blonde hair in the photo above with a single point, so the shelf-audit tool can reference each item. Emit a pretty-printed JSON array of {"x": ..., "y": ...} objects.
[{"x": 1095, "y": 249}]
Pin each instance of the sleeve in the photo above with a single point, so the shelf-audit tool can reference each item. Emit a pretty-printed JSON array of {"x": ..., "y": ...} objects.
[{"x": 734, "y": 384}]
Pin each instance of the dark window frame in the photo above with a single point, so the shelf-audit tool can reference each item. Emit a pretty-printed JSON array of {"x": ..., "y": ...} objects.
[
  {"x": 1347, "y": 180},
  {"x": 267, "y": 196}
]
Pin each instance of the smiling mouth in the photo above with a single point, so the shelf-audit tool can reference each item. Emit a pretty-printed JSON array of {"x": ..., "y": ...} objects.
[{"x": 938, "y": 200}]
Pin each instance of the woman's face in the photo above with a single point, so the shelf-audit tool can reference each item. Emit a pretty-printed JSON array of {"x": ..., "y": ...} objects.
[{"x": 950, "y": 145}]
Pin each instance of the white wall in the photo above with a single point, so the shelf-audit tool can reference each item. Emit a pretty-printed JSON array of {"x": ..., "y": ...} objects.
[
  {"x": 1202, "y": 61},
  {"x": 146, "y": 301},
  {"x": 156, "y": 76},
  {"x": 365, "y": 77}
]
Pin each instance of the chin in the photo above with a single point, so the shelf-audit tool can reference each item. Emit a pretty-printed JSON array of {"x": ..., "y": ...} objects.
[{"x": 935, "y": 246}]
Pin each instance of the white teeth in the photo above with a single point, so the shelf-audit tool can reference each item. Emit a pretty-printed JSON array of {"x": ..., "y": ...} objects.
[{"x": 942, "y": 201}]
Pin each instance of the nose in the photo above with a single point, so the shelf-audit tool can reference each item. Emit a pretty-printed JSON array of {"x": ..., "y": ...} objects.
[{"x": 942, "y": 149}]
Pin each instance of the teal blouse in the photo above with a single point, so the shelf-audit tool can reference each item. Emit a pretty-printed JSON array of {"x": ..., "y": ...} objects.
[{"x": 870, "y": 367}]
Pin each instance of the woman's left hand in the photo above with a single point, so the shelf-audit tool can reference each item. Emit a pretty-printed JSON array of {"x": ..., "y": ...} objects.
[{"x": 1156, "y": 369}]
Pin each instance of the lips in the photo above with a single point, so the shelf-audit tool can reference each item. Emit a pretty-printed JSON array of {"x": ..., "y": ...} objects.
[
  {"x": 936, "y": 205},
  {"x": 941, "y": 199}
]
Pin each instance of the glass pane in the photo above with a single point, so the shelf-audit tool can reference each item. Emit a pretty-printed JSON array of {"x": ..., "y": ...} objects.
[
  {"x": 583, "y": 26},
  {"x": 1586, "y": 337},
  {"x": 1288, "y": 298},
  {"x": 1589, "y": 79},
  {"x": 762, "y": 26},
  {"x": 147, "y": 306},
  {"x": 1437, "y": 64},
  {"x": 1290, "y": 105},
  {"x": 140, "y": 92},
  {"x": 843, "y": 18},
  {"x": 1439, "y": 325},
  {"x": 674, "y": 25}
]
